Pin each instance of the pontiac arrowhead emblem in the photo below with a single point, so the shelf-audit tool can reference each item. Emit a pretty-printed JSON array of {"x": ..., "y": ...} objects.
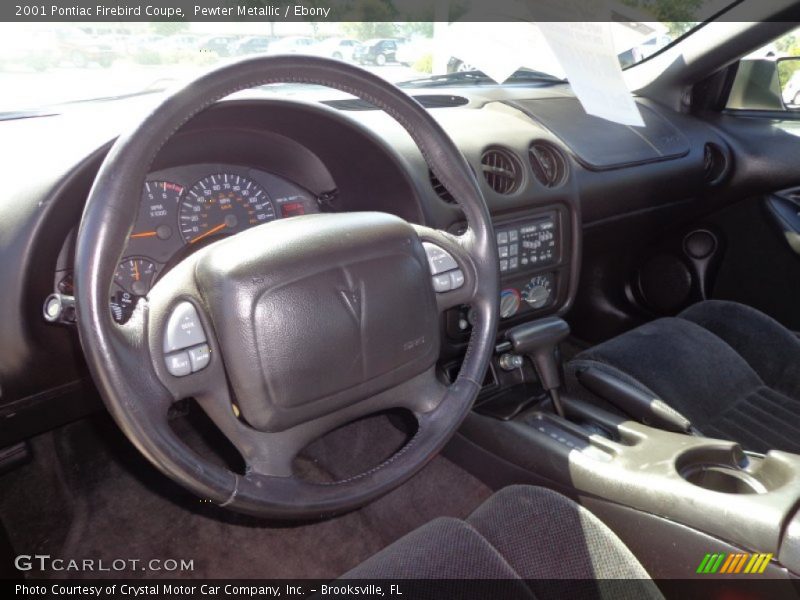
[{"x": 352, "y": 299}]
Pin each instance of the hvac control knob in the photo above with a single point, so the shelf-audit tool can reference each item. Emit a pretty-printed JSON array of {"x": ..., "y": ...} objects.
[{"x": 539, "y": 291}]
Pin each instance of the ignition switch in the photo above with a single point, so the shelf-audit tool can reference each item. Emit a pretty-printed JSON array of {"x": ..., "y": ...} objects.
[
  {"x": 510, "y": 362},
  {"x": 59, "y": 308}
]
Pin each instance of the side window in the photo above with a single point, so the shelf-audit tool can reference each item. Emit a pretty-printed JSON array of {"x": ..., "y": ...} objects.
[
  {"x": 769, "y": 78},
  {"x": 789, "y": 78}
]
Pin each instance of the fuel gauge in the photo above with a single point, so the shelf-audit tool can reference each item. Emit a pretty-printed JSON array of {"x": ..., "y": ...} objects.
[
  {"x": 135, "y": 274},
  {"x": 133, "y": 280}
]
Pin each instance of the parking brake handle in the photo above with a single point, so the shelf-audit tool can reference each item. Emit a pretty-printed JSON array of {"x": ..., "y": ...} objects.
[{"x": 631, "y": 400}]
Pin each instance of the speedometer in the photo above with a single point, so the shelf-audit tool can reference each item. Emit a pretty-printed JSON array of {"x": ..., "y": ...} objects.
[{"x": 223, "y": 204}]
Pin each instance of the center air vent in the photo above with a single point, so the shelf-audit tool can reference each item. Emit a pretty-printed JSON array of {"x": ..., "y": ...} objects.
[
  {"x": 715, "y": 164},
  {"x": 548, "y": 164},
  {"x": 501, "y": 171}
]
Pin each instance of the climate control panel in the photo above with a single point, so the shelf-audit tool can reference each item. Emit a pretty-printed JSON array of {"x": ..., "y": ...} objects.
[
  {"x": 532, "y": 294},
  {"x": 536, "y": 293},
  {"x": 538, "y": 254}
]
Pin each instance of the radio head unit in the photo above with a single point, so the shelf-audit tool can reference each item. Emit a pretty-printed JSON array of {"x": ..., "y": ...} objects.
[{"x": 528, "y": 245}]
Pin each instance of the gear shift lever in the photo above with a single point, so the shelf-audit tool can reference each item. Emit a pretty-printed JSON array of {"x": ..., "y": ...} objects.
[{"x": 538, "y": 340}]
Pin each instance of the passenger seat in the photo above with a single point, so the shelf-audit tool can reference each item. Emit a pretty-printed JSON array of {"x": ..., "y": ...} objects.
[{"x": 731, "y": 370}]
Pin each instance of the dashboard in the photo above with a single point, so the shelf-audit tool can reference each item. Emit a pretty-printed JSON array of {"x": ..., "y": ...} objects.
[
  {"x": 275, "y": 159},
  {"x": 185, "y": 208}
]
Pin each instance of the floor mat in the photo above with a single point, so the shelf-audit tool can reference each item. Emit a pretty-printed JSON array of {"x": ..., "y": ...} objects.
[{"x": 88, "y": 494}]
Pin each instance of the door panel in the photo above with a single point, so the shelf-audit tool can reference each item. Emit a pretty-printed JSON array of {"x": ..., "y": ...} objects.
[{"x": 759, "y": 268}]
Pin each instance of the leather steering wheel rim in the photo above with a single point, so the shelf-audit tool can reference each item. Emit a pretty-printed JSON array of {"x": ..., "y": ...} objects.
[{"x": 124, "y": 360}]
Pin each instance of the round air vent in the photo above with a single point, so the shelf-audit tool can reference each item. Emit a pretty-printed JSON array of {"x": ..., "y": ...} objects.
[
  {"x": 715, "y": 164},
  {"x": 439, "y": 189},
  {"x": 548, "y": 164},
  {"x": 501, "y": 170}
]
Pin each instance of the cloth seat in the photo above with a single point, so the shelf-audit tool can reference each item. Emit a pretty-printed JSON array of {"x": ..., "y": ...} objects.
[
  {"x": 538, "y": 542},
  {"x": 729, "y": 368}
]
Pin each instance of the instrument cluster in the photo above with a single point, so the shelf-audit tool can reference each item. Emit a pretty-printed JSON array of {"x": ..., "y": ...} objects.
[{"x": 187, "y": 207}]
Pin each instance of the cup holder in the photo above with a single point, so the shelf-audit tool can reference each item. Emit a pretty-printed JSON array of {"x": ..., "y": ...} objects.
[
  {"x": 722, "y": 478},
  {"x": 729, "y": 470}
]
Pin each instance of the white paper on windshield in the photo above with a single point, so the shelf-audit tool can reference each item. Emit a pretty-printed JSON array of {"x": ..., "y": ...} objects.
[
  {"x": 586, "y": 52},
  {"x": 499, "y": 49}
]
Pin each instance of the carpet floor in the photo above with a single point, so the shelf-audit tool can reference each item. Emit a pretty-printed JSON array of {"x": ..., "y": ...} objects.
[{"x": 88, "y": 494}]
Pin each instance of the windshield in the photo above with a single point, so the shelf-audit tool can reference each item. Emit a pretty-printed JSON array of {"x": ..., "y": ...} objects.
[{"x": 43, "y": 65}]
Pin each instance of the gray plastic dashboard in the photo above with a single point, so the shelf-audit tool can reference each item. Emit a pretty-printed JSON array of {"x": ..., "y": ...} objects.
[{"x": 363, "y": 156}]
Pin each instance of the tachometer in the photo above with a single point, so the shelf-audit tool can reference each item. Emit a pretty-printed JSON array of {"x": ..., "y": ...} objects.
[
  {"x": 223, "y": 204},
  {"x": 133, "y": 279},
  {"x": 159, "y": 199}
]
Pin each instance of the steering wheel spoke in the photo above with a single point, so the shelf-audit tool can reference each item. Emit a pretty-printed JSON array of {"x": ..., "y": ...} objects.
[
  {"x": 130, "y": 340},
  {"x": 420, "y": 395},
  {"x": 272, "y": 453},
  {"x": 264, "y": 453},
  {"x": 181, "y": 343}
]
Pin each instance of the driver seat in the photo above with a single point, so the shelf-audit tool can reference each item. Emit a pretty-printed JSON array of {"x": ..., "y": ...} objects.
[{"x": 541, "y": 543}]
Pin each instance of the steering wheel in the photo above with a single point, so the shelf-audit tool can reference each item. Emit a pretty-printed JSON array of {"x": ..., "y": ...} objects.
[{"x": 293, "y": 328}]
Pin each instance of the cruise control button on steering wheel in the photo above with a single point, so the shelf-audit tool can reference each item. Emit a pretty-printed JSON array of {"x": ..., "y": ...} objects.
[
  {"x": 178, "y": 364},
  {"x": 184, "y": 331}
]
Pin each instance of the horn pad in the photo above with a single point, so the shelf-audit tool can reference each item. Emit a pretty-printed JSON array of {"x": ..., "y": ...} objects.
[{"x": 319, "y": 312}]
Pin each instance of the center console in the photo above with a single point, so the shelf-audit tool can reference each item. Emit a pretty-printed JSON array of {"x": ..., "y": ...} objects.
[
  {"x": 693, "y": 495},
  {"x": 706, "y": 495}
]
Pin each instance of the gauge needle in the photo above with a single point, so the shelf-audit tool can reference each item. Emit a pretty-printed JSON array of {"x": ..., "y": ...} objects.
[
  {"x": 136, "y": 275},
  {"x": 144, "y": 234},
  {"x": 209, "y": 232}
]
